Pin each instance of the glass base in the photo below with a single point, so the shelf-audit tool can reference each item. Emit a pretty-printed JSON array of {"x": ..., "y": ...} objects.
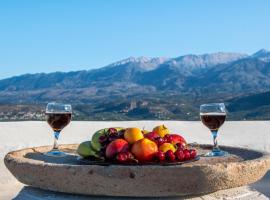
[
  {"x": 56, "y": 153},
  {"x": 216, "y": 153}
]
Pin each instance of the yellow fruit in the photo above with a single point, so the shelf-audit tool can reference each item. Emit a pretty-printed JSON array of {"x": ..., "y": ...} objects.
[
  {"x": 133, "y": 134},
  {"x": 167, "y": 146},
  {"x": 161, "y": 130}
]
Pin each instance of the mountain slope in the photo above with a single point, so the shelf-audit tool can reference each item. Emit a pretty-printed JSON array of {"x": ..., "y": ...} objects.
[
  {"x": 191, "y": 63},
  {"x": 243, "y": 76},
  {"x": 147, "y": 88},
  {"x": 226, "y": 73},
  {"x": 249, "y": 102},
  {"x": 250, "y": 107},
  {"x": 262, "y": 54},
  {"x": 172, "y": 74},
  {"x": 123, "y": 71}
]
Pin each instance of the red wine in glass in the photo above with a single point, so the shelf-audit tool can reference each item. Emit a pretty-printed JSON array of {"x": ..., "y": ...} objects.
[
  {"x": 213, "y": 120},
  {"x": 213, "y": 115},
  {"x": 58, "y": 117},
  {"x": 58, "y": 121}
]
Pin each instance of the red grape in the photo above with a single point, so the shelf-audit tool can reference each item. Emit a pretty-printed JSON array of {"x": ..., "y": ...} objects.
[
  {"x": 159, "y": 141},
  {"x": 121, "y": 133},
  {"x": 186, "y": 151},
  {"x": 103, "y": 139},
  {"x": 187, "y": 155},
  {"x": 180, "y": 155},
  {"x": 166, "y": 136},
  {"x": 112, "y": 131},
  {"x": 170, "y": 155},
  {"x": 122, "y": 157},
  {"x": 129, "y": 155},
  {"x": 113, "y": 137},
  {"x": 180, "y": 146},
  {"x": 169, "y": 138},
  {"x": 151, "y": 138},
  {"x": 193, "y": 153},
  {"x": 160, "y": 155}
]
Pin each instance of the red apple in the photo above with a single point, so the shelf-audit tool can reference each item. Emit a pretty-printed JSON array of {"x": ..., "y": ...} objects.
[
  {"x": 175, "y": 139},
  {"x": 115, "y": 147},
  {"x": 151, "y": 135}
]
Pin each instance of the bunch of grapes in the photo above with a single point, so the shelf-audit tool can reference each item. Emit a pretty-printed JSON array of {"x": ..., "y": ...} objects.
[
  {"x": 126, "y": 157},
  {"x": 181, "y": 154}
]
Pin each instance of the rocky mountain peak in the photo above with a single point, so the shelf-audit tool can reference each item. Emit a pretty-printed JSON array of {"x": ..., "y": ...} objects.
[
  {"x": 140, "y": 60},
  {"x": 193, "y": 62},
  {"x": 263, "y": 55}
]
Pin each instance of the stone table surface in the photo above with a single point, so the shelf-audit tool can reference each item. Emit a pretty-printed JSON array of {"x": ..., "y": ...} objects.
[{"x": 206, "y": 175}]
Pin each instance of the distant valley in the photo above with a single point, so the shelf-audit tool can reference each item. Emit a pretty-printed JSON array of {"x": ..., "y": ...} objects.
[{"x": 147, "y": 88}]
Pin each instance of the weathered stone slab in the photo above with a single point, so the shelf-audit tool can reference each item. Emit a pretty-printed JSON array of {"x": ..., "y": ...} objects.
[{"x": 205, "y": 176}]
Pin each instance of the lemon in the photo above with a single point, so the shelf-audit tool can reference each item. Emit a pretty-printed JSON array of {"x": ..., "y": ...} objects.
[
  {"x": 133, "y": 134},
  {"x": 161, "y": 130},
  {"x": 166, "y": 147}
]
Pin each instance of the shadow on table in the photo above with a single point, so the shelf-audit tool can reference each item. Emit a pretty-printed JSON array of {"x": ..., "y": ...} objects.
[
  {"x": 30, "y": 193},
  {"x": 263, "y": 186},
  {"x": 69, "y": 159}
]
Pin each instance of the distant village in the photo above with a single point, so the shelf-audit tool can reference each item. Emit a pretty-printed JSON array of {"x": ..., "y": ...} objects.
[{"x": 7, "y": 116}]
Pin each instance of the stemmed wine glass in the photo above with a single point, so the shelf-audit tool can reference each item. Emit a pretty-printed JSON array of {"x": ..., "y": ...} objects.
[
  {"x": 58, "y": 117},
  {"x": 213, "y": 115}
]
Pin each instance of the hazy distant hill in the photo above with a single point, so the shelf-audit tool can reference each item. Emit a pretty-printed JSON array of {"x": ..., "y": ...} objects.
[
  {"x": 132, "y": 75},
  {"x": 139, "y": 71},
  {"x": 156, "y": 85}
]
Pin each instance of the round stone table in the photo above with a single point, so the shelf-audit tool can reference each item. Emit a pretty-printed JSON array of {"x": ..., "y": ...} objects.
[{"x": 204, "y": 176}]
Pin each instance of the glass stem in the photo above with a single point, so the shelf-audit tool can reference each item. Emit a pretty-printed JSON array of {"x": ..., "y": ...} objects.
[
  {"x": 214, "y": 134},
  {"x": 55, "y": 143}
]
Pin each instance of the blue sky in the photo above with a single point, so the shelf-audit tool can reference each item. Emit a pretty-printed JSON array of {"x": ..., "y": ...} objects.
[{"x": 64, "y": 35}]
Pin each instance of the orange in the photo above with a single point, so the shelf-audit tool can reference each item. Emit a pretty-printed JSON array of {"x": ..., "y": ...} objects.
[
  {"x": 133, "y": 134},
  {"x": 144, "y": 150},
  {"x": 167, "y": 146},
  {"x": 161, "y": 130}
]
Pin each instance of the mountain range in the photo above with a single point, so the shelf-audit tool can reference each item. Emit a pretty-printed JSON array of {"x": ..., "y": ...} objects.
[{"x": 144, "y": 88}]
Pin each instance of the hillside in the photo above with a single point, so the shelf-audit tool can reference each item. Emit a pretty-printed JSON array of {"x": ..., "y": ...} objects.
[{"x": 146, "y": 88}]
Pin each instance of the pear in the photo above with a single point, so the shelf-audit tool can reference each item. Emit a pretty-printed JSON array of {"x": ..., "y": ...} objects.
[{"x": 85, "y": 150}]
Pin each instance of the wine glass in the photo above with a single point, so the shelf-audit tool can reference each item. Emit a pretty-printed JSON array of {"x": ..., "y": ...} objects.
[
  {"x": 58, "y": 117},
  {"x": 213, "y": 115}
]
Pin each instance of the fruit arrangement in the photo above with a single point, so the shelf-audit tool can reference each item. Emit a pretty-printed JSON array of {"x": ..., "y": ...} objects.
[{"x": 132, "y": 145}]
